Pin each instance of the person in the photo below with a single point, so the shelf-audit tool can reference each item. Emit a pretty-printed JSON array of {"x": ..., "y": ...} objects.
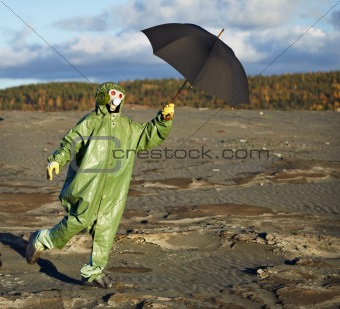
[{"x": 101, "y": 150}]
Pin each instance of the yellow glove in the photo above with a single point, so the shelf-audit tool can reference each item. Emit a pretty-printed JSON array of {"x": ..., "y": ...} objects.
[
  {"x": 53, "y": 166},
  {"x": 168, "y": 111}
]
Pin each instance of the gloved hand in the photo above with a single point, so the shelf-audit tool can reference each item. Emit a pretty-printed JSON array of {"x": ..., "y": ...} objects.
[
  {"x": 53, "y": 166},
  {"x": 168, "y": 111}
]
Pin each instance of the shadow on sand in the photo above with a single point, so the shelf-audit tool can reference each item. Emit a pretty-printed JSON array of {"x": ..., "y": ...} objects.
[{"x": 19, "y": 244}]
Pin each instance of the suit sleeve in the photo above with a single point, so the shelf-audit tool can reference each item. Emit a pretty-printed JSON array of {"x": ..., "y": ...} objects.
[
  {"x": 71, "y": 143},
  {"x": 154, "y": 133}
]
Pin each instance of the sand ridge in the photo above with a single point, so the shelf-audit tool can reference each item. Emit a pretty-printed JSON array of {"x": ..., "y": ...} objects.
[{"x": 237, "y": 231}]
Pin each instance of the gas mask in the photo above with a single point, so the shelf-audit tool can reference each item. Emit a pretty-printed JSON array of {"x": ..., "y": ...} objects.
[
  {"x": 112, "y": 98},
  {"x": 116, "y": 97}
]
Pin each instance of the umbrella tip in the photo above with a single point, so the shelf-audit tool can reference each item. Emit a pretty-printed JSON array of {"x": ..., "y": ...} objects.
[{"x": 220, "y": 33}]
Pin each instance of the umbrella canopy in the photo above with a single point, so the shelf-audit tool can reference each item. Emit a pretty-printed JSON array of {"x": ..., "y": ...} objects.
[{"x": 202, "y": 58}]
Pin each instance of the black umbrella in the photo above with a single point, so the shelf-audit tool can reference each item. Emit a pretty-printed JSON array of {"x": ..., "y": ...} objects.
[{"x": 202, "y": 58}]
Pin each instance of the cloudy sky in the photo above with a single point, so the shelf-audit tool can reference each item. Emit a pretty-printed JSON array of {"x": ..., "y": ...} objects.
[{"x": 102, "y": 40}]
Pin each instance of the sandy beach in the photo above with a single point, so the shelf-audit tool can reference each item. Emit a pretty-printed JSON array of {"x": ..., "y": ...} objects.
[{"x": 237, "y": 209}]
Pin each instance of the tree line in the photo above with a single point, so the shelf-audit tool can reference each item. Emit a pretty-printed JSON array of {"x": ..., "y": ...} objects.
[{"x": 300, "y": 91}]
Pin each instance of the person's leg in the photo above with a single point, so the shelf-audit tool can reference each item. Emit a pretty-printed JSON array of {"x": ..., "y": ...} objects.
[
  {"x": 56, "y": 237},
  {"x": 62, "y": 232},
  {"x": 103, "y": 233},
  {"x": 103, "y": 237}
]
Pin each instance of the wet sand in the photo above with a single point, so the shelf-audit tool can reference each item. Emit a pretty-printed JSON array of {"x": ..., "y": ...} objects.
[{"x": 244, "y": 215}]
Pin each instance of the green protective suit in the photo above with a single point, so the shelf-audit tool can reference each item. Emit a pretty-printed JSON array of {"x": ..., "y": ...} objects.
[{"x": 102, "y": 148}]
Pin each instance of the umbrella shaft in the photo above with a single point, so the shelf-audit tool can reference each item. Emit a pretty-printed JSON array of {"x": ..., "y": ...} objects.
[{"x": 179, "y": 91}]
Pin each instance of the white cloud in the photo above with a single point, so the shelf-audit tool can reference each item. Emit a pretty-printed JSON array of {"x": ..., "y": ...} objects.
[
  {"x": 305, "y": 39},
  {"x": 222, "y": 13},
  {"x": 312, "y": 41},
  {"x": 124, "y": 47},
  {"x": 257, "y": 30},
  {"x": 88, "y": 23},
  {"x": 263, "y": 14}
]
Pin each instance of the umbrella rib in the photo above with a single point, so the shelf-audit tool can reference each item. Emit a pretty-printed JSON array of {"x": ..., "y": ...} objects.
[{"x": 205, "y": 61}]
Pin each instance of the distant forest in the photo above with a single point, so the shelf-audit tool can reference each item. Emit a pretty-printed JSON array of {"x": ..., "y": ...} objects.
[{"x": 307, "y": 91}]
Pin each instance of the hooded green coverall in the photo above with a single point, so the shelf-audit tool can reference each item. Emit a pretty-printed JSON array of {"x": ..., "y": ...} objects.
[{"x": 102, "y": 148}]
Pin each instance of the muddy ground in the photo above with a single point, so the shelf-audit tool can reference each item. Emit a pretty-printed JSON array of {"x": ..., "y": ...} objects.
[{"x": 253, "y": 222}]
